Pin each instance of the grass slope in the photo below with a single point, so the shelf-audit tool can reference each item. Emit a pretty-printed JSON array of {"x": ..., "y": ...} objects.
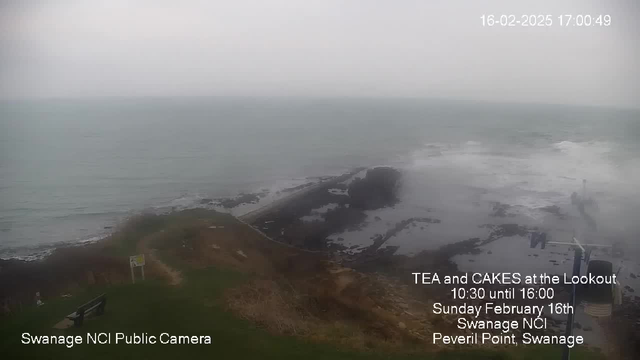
[{"x": 193, "y": 308}]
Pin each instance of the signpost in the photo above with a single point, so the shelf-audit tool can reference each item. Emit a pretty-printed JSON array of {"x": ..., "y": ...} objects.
[
  {"x": 136, "y": 261},
  {"x": 579, "y": 250}
]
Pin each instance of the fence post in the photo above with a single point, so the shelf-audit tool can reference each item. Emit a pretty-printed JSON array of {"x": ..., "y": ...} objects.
[{"x": 577, "y": 259}]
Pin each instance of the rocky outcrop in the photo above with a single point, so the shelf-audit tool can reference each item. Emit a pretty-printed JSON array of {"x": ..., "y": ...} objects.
[
  {"x": 376, "y": 190},
  {"x": 238, "y": 200}
]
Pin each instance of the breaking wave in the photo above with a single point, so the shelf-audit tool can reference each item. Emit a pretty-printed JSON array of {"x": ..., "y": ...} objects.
[{"x": 531, "y": 177}]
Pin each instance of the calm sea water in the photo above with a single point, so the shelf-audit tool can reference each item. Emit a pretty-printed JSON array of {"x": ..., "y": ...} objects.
[{"x": 71, "y": 169}]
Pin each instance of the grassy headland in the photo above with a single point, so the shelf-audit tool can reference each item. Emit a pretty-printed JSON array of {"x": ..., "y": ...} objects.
[{"x": 212, "y": 271}]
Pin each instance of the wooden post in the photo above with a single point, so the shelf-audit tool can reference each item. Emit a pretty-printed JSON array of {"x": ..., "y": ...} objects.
[
  {"x": 577, "y": 259},
  {"x": 134, "y": 262}
]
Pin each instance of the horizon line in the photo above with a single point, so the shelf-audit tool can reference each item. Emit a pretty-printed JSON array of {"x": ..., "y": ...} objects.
[{"x": 314, "y": 97}]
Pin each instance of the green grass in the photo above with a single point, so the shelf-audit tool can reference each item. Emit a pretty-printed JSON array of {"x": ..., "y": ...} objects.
[
  {"x": 194, "y": 309},
  {"x": 124, "y": 241}
]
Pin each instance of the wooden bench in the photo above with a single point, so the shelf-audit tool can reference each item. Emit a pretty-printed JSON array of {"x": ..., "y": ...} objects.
[{"x": 98, "y": 304}]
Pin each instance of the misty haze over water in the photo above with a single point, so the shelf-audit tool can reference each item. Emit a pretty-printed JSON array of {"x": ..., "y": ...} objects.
[
  {"x": 71, "y": 169},
  {"x": 179, "y": 102}
]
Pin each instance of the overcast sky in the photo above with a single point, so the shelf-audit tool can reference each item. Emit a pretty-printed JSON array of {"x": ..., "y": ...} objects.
[{"x": 361, "y": 48}]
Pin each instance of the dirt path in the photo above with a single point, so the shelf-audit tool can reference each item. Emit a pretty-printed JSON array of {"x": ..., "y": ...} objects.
[{"x": 174, "y": 276}]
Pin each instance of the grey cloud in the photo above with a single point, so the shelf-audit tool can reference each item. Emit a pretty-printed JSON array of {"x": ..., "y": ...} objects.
[{"x": 316, "y": 48}]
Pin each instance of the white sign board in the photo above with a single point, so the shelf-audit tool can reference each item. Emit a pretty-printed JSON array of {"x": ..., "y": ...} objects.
[{"x": 136, "y": 260}]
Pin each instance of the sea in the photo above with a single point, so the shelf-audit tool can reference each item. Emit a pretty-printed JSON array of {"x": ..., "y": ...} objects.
[{"x": 71, "y": 170}]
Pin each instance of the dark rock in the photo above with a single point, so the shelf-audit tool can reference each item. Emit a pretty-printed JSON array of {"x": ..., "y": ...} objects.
[
  {"x": 373, "y": 251},
  {"x": 299, "y": 187},
  {"x": 240, "y": 199},
  {"x": 505, "y": 230},
  {"x": 427, "y": 220},
  {"x": 500, "y": 210},
  {"x": 555, "y": 210},
  {"x": 376, "y": 190},
  {"x": 582, "y": 204}
]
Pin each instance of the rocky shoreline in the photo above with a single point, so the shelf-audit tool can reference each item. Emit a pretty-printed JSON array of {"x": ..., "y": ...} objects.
[
  {"x": 308, "y": 219},
  {"x": 329, "y": 210},
  {"x": 346, "y": 198}
]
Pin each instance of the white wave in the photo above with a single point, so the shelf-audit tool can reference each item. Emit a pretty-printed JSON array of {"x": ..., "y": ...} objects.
[
  {"x": 92, "y": 239},
  {"x": 39, "y": 252},
  {"x": 529, "y": 177},
  {"x": 32, "y": 256},
  {"x": 583, "y": 149},
  {"x": 181, "y": 203}
]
